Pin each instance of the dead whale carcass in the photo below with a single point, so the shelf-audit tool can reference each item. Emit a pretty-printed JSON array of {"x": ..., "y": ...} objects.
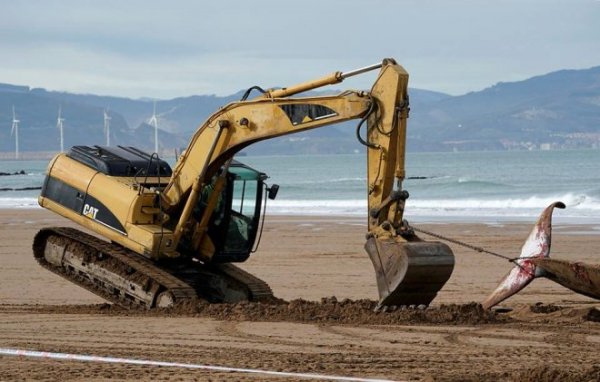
[
  {"x": 579, "y": 277},
  {"x": 534, "y": 262}
]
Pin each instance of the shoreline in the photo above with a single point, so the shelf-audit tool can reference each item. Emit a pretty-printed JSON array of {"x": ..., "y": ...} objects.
[
  {"x": 312, "y": 257},
  {"x": 592, "y": 222}
]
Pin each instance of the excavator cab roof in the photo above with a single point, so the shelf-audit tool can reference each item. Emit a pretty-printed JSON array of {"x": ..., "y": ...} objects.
[{"x": 245, "y": 172}]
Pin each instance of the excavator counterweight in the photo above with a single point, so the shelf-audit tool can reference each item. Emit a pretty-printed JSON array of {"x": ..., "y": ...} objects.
[{"x": 165, "y": 236}]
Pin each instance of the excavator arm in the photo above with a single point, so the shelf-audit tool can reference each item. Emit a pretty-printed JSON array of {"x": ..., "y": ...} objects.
[
  {"x": 240, "y": 124},
  {"x": 409, "y": 271}
]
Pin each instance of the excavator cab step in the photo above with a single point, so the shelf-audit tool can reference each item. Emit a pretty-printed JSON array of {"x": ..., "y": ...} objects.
[{"x": 409, "y": 273}]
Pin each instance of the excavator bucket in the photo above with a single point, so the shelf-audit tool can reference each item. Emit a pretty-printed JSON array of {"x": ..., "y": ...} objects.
[{"x": 409, "y": 273}]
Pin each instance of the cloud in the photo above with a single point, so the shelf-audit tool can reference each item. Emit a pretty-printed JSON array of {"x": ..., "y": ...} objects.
[{"x": 166, "y": 49}]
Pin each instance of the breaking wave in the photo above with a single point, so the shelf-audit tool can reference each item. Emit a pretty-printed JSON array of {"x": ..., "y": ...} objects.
[{"x": 578, "y": 205}]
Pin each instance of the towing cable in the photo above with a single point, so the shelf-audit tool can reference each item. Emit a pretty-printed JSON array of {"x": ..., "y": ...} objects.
[{"x": 466, "y": 245}]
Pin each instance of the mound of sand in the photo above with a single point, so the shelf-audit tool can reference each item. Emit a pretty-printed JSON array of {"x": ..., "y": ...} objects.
[
  {"x": 347, "y": 311},
  {"x": 328, "y": 310}
]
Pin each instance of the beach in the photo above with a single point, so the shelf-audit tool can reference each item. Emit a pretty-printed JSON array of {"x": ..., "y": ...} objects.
[{"x": 548, "y": 332}]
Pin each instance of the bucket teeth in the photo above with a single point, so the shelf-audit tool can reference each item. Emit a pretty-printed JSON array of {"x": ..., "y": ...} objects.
[{"x": 409, "y": 273}]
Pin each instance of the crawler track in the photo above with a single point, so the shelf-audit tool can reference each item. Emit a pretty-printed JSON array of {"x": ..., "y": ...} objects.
[{"x": 127, "y": 279}]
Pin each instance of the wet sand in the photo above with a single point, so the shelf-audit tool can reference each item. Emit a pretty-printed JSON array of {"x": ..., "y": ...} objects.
[{"x": 549, "y": 334}]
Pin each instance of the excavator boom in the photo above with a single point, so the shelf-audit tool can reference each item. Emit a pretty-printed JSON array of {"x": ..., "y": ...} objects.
[{"x": 173, "y": 234}]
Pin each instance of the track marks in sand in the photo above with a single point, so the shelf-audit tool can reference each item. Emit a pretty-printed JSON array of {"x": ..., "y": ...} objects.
[
  {"x": 322, "y": 338},
  {"x": 125, "y": 335},
  {"x": 498, "y": 337},
  {"x": 390, "y": 351},
  {"x": 295, "y": 337},
  {"x": 393, "y": 337}
]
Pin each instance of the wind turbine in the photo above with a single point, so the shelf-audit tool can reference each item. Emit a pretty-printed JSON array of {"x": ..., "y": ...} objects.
[
  {"x": 15, "y": 131},
  {"x": 107, "y": 119},
  {"x": 59, "y": 126},
  {"x": 154, "y": 122}
]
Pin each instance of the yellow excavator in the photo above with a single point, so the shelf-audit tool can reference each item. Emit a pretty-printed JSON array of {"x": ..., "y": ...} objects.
[{"x": 166, "y": 236}]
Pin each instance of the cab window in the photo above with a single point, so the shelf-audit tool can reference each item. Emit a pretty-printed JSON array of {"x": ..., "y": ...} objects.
[{"x": 240, "y": 233}]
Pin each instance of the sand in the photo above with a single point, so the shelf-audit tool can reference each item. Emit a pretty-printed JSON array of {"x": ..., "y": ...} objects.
[{"x": 550, "y": 334}]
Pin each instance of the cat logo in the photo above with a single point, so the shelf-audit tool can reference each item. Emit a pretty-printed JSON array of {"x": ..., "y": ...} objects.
[{"x": 90, "y": 211}]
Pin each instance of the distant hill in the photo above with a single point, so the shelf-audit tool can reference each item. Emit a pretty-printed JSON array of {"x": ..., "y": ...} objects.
[
  {"x": 559, "y": 109},
  {"x": 556, "y": 110}
]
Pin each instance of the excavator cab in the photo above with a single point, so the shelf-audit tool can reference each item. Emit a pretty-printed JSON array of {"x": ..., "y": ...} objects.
[{"x": 235, "y": 220}]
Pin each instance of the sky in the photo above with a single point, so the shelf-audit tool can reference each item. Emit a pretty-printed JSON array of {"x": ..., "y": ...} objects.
[{"x": 167, "y": 49}]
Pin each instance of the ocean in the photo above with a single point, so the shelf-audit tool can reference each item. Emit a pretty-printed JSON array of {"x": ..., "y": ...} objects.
[{"x": 463, "y": 186}]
